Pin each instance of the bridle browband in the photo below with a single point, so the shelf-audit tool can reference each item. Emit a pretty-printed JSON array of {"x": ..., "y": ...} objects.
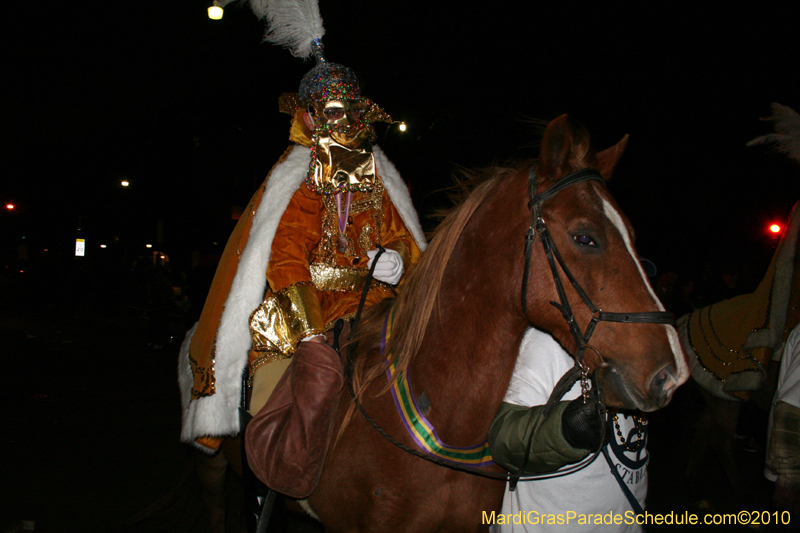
[{"x": 539, "y": 227}]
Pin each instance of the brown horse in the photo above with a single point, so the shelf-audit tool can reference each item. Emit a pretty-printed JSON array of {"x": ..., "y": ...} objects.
[{"x": 457, "y": 330}]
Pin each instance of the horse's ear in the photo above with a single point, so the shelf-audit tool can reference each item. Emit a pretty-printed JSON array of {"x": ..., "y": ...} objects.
[
  {"x": 563, "y": 149},
  {"x": 607, "y": 159}
]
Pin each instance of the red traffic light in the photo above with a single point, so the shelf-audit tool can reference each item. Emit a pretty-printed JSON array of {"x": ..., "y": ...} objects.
[{"x": 775, "y": 229}]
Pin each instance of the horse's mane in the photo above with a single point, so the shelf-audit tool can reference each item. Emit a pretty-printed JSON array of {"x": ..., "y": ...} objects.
[
  {"x": 419, "y": 292},
  {"x": 420, "y": 289}
]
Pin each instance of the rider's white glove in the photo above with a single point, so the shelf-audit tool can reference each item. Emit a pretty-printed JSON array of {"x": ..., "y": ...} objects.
[{"x": 389, "y": 268}]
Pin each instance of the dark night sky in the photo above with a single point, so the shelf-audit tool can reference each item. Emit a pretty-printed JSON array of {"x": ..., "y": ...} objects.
[{"x": 186, "y": 108}]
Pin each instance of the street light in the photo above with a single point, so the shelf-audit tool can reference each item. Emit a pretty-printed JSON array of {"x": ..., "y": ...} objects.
[
  {"x": 402, "y": 126},
  {"x": 215, "y": 11}
]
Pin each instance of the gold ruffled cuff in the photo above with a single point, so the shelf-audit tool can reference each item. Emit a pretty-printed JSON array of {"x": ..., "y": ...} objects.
[{"x": 285, "y": 318}]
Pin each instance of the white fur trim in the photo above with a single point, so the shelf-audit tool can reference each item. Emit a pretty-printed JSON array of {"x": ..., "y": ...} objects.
[
  {"x": 185, "y": 376},
  {"x": 217, "y": 414},
  {"x": 185, "y": 382},
  {"x": 307, "y": 508},
  {"x": 398, "y": 192}
]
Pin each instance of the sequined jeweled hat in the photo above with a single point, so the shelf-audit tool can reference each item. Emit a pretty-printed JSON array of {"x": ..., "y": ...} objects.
[
  {"x": 297, "y": 26},
  {"x": 328, "y": 80}
]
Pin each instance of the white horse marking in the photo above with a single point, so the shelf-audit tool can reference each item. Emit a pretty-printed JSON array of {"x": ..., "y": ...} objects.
[{"x": 674, "y": 342}]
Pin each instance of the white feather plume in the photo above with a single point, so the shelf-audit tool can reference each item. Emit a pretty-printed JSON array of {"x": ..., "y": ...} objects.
[
  {"x": 787, "y": 131},
  {"x": 293, "y": 24}
]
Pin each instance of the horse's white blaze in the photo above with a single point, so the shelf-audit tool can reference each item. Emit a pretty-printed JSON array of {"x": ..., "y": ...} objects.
[
  {"x": 674, "y": 343},
  {"x": 680, "y": 361}
]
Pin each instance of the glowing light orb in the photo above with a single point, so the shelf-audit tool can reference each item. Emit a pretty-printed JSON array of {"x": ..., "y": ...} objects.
[
  {"x": 215, "y": 13},
  {"x": 402, "y": 126},
  {"x": 775, "y": 228}
]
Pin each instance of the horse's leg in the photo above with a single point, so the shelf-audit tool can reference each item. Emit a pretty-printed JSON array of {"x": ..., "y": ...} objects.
[{"x": 211, "y": 470}]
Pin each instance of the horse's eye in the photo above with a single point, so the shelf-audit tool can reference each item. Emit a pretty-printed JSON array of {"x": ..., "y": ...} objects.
[{"x": 584, "y": 240}]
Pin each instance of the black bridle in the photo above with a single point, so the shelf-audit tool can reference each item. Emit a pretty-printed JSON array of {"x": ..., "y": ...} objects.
[
  {"x": 580, "y": 370},
  {"x": 539, "y": 227}
]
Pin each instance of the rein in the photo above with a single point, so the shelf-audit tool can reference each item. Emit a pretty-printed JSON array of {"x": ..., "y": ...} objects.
[
  {"x": 431, "y": 458},
  {"x": 580, "y": 371}
]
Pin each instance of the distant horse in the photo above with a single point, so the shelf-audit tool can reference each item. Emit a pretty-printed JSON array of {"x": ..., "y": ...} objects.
[
  {"x": 456, "y": 330},
  {"x": 729, "y": 344}
]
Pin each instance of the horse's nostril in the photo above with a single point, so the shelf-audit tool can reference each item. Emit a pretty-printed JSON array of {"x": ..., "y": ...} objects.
[
  {"x": 660, "y": 380},
  {"x": 663, "y": 385}
]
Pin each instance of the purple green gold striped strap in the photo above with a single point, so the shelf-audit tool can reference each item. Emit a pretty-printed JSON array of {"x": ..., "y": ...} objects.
[{"x": 420, "y": 429}]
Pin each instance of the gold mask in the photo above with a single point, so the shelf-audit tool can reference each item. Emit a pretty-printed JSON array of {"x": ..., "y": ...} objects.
[
  {"x": 342, "y": 149},
  {"x": 343, "y": 162}
]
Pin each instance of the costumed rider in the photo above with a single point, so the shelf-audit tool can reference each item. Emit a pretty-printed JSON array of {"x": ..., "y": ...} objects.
[
  {"x": 563, "y": 440},
  {"x": 299, "y": 257}
]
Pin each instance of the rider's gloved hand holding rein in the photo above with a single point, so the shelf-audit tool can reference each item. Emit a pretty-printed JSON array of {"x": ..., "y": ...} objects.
[
  {"x": 389, "y": 268},
  {"x": 582, "y": 425}
]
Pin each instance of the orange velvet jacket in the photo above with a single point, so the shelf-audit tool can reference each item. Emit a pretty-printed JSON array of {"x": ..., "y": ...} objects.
[
  {"x": 285, "y": 246},
  {"x": 310, "y": 283}
]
